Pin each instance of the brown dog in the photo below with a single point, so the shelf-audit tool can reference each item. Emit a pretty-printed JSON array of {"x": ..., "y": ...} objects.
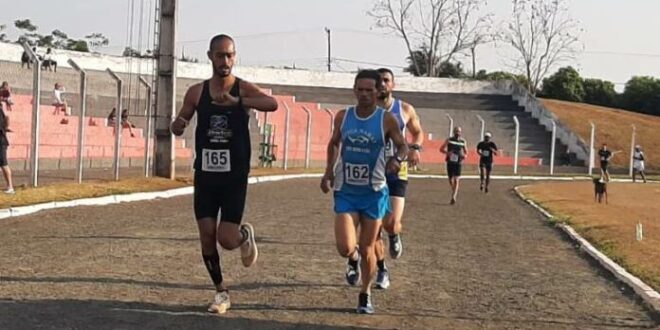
[{"x": 600, "y": 190}]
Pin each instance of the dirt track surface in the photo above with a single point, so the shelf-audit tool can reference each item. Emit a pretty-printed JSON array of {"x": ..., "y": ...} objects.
[{"x": 487, "y": 262}]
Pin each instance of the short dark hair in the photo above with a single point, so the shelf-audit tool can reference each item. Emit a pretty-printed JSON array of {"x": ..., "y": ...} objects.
[
  {"x": 370, "y": 74},
  {"x": 386, "y": 70},
  {"x": 219, "y": 38}
]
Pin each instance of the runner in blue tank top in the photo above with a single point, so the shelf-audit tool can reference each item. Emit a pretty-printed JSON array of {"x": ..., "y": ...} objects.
[
  {"x": 356, "y": 169},
  {"x": 397, "y": 183}
]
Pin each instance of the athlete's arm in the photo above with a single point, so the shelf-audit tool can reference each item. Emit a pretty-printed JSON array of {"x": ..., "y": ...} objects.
[
  {"x": 332, "y": 154},
  {"x": 415, "y": 128},
  {"x": 494, "y": 150},
  {"x": 392, "y": 131},
  {"x": 253, "y": 98},
  {"x": 479, "y": 149},
  {"x": 443, "y": 147},
  {"x": 465, "y": 149},
  {"x": 178, "y": 126}
]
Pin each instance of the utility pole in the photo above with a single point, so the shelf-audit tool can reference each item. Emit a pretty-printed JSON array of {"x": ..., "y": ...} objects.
[{"x": 327, "y": 31}]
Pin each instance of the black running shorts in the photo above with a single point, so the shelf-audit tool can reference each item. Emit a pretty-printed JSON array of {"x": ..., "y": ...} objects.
[
  {"x": 486, "y": 165},
  {"x": 226, "y": 197},
  {"x": 454, "y": 169},
  {"x": 397, "y": 187}
]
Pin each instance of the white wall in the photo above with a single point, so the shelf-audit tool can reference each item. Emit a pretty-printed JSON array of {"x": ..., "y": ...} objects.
[{"x": 89, "y": 61}]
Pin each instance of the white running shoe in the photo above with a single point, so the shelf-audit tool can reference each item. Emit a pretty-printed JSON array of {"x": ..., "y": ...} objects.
[
  {"x": 10, "y": 191},
  {"x": 220, "y": 303},
  {"x": 249, "y": 252}
]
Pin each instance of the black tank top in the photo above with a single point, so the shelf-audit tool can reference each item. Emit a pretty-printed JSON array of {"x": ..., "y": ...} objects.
[
  {"x": 222, "y": 137},
  {"x": 455, "y": 150}
]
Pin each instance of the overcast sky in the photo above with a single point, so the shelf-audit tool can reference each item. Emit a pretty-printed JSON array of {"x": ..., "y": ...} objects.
[{"x": 621, "y": 38}]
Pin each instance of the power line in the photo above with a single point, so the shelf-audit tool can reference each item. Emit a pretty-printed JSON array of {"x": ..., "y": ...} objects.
[
  {"x": 369, "y": 63},
  {"x": 258, "y": 35},
  {"x": 605, "y": 52}
]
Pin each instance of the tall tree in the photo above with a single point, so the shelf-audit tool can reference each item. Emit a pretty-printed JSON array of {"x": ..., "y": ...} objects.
[
  {"x": 3, "y": 36},
  {"x": 442, "y": 29},
  {"x": 565, "y": 84},
  {"x": 96, "y": 40},
  {"x": 28, "y": 31},
  {"x": 543, "y": 35}
]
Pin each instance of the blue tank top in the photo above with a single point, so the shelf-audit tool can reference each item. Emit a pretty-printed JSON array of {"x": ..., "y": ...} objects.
[
  {"x": 397, "y": 111},
  {"x": 360, "y": 168}
]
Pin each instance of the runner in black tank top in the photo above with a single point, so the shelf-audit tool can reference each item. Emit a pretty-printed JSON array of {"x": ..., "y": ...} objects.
[
  {"x": 222, "y": 160},
  {"x": 456, "y": 150},
  {"x": 222, "y": 139}
]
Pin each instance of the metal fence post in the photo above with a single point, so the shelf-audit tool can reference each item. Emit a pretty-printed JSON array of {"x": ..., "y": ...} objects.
[
  {"x": 308, "y": 137},
  {"x": 118, "y": 123},
  {"x": 552, "y": 148},
  {"x": 517, "y": 145},
  {"x": 36, "y": 115},
  {"x": 632, "y": 149},
  {"x": 147, "y": 138},
  {"x": 287, "y": 120},
  {"x": 451, "y": 125},
  {"x": 81, "y": 118}
]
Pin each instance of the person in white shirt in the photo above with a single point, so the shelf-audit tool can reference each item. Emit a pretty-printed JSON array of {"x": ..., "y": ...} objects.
[
  {"x": 59, "y": 102},
  {"x": 638, "y": 163}
]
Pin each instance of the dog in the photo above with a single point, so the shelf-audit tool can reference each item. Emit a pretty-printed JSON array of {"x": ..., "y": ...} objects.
[{"x": 600, "y": 190}]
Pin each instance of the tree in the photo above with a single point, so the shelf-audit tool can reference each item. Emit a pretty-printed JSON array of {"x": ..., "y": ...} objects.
[
  {"x": 641, "y": 95},
  {"x": 451, "y": 70},
  {"x": 97, "y": 40},
  {"x": 543, "y": 35},
  {"x": 77, "y": 45},
  {"x": 441, "y": 29},
  {"x": 565, "y": 84},
  {"x": 3, "y": 36},
  {"x": 130, "y": 52},
  {"x": 599, "y": 92},
  {"x": 28, "y": 31},
  {"x": 60, "y": 39}
]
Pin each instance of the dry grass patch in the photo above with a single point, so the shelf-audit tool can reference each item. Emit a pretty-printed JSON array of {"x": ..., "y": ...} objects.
[
  {"x": 612, "y": 127},
  {"x": 610, "y": 227}
]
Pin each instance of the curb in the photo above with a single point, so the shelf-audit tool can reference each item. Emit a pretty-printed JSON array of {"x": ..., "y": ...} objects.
[
  {"x": 133, "y": 197},
  {"x": 643, "y": 290}
]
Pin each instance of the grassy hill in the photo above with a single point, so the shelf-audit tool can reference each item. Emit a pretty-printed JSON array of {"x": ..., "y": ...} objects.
[{"x": 613, "y": 126}]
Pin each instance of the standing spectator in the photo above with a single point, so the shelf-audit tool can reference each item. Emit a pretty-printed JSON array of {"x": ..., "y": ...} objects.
[
  {"x": 25, "y": 60},
  {"x": 638, "y": 163},
  {"x": 48, "y": 63},
  {"x": 59, "y": 102},
  {"x": 4, "y": 164},
  {"x": 5, "y": 95}
]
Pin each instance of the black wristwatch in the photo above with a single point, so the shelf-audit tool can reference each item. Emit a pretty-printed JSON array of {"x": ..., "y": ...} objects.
[{"x": 415, "y": 147}]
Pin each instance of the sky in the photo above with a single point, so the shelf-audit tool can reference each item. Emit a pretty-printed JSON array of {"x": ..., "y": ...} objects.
[{"x": 620, "y": 38}]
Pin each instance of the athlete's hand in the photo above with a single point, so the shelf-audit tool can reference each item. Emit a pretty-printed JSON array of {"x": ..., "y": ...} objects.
[
  {"x": 178, "y": 126},
  {"x": 327, "y": 182},
  {"x": 413, "y": 158},
  {"x": 393, "y": 166},
  {"x": 228, "y": 99}
]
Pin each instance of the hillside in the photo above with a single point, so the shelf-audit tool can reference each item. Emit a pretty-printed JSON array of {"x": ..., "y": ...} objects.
[{"x": 613, "y": 126}]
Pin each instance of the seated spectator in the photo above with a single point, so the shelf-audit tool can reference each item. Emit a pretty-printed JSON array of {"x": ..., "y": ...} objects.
[
  {"x": 59, "y": 101},
  {"x": 48, "y": 63},
  {"x": 124, "y": 120}
]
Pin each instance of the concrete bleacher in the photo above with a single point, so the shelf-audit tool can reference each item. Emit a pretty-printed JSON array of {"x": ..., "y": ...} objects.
[
  {"x": 59, "y": 140},
  {"x": 496, "y": 110},
  {"x": 433, "y": 108}
]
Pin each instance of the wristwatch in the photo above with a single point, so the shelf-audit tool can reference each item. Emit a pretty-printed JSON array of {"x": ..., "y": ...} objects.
[
  {"x": 415, "y": 147},
  {"x": 399, "y": 159}
]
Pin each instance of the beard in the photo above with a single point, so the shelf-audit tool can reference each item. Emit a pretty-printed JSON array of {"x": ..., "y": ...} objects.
[
  {"x": 384, "y": 95},
  {"x": 222, "y": 71}
]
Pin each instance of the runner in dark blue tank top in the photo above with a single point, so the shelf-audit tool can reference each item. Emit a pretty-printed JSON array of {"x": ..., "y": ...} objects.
[
  {"x": 222, "y": 160},
  {"x": 409, "y": 124}
]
